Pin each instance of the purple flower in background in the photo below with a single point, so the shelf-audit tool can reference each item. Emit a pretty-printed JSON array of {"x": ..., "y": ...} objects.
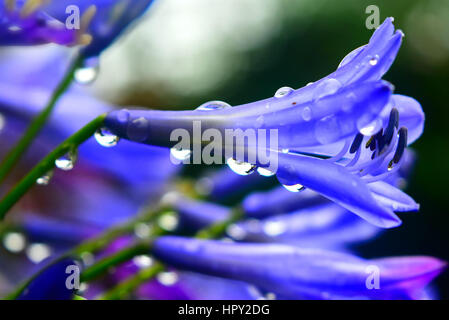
[
  {"x": 52, "y": 282},
  {"x": 32, "y": 22},
  {"x": 293, "y": 273},
  {"x": 340, "y": 136},
  {"x": 102, "y": 189}
]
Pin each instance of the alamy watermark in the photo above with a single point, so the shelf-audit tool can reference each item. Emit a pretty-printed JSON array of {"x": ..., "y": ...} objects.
[
  {"x": 373, "y": 278},
  {"x": 213, "y": 146},
  {"x": 373, "y": 20},
  {"x": 72, "y": 281}
]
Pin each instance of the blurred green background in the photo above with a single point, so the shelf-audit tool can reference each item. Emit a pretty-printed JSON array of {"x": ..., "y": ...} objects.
[{"x": 187, "y": 52}]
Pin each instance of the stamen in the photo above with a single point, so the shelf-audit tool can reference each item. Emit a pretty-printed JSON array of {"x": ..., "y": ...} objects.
[
  {"x": 87, "y": 17},
  {"x": 84, "y": 38},
  {"x": 31, "y": 6},
  {"x": 368, "y": 143},
  {"x": 402, "y": 144},
  {"x": 342, "y": 152},
  {"x": 356, "y": 143},
  {"x": 380, "y": 140},
  {"x": 393, "y": 122}
]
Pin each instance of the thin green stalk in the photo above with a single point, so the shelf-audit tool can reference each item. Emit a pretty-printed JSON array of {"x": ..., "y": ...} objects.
[
  {"x": 133, "y": 282},
  {"x": 98, "y": 243},
  {"x": 48, "y": 163},
  {"x": 123, "y": 289},
  {"x": 14, "y": 155},
  {"x": 114, "y": 260},
  {"x": 219, "y": 228}
]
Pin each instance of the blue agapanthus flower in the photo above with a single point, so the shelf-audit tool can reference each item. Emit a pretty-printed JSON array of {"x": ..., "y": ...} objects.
[
  {"x": 294, "y": 273},
  {"x": 340, "y": 136},
  {"x": 32, "y": 22},
  {"x": 342, "y": 142}
]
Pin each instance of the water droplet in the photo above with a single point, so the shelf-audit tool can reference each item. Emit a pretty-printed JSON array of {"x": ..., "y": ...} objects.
[
  {"x": 270, "y": 296},
  {"x": 327, "y": 130},
  {"x": 204, "y": 186},
  {"x": 213, "y": 105},
  {"x": 138, "y": 129},
  {"x": 168, "y": 221},
  {"x": 2, "y": 122},
  {"x": 38, "y": 252},
  {"x": 390, "y": 165},
  {"x": 88, "y": 72},
  {"x": 142, "y": 230},
  {"x": 373, "y": 61},
  {"x": 236, "y": 232},
  {"x": 371, "y": 128},
  {"x": 259, "y": 121},
  {"x": 294, "y": 188},
  {"x": 306, "y": 113},
  {"x": 143, "y": 261},
  {"x": 265, "y": 172},
  {"x": 283, "y": 92},
  {"x": 88, "y": 258},
  {"x": 180, "y": 154},
  {"x": 14, "y": 28},
  {"x": 285, "y": 150},
  {"x": 45, "y": 179},
  {"x": 167, "y": 278},
  {"x": 67, "y": 161},
  {"x": 105, "y": 138},
  {"x": 240, "y": 167},
  {"x": 14, "y": 242},
  {"x": 326, "y": 88},
  {"x": 274, "y": 228}
]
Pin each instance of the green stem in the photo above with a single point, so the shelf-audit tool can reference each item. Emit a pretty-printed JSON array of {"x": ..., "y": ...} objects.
[
  {"x": 124, "y": 288},
  {"x": 114, "y": 260},
  {"x": 48, "y": 163},
  {"x": 219, "y": 228},
  {"x": 98, "y": 243},
  {"x": 133, "y": 282},
  {"x": 13, "y": 157}
]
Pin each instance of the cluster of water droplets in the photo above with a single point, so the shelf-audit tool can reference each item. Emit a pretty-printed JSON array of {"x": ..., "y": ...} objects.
[
  {"x": 184, "y": 154},
  {"x": 16, "y": 242}
]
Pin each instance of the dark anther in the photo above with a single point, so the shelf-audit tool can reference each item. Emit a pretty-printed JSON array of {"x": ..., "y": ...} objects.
[
  {"x": 379, "y": 140},
  {"x": 402, "y": 144},
  {"x": 356, "y": 143},
  {"x": 372, "y": 145},
  {"x": 368, "y": 143},
  {"x": 393, "y": 122}
]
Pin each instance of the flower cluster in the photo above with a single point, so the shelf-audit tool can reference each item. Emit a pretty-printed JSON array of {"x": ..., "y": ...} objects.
[{"x": 341, "y": 150}]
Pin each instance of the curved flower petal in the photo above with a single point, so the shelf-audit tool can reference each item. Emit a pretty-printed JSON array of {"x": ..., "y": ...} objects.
[
  {"x": 337, "y": 184},
  {"x": 318, "y": 226},
  {"x": 324, "y": 122},
  {"x": 392, "y": 197},
  {"x": 294, "y": 272}
]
